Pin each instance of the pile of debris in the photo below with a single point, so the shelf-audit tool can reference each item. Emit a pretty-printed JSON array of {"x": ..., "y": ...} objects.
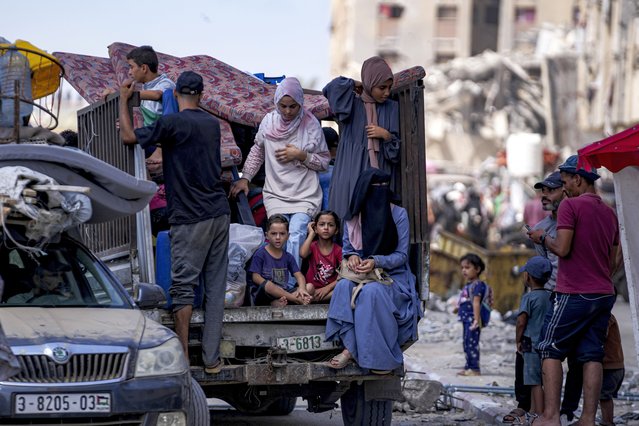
[{"x": 489, "y": 94}]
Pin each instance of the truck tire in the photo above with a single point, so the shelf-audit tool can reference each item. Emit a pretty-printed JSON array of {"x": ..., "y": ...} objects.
[
  {"x": 197, "y": 413},
  {"x": 282, "y": 406},
  {"x": 356, "y": 411}
]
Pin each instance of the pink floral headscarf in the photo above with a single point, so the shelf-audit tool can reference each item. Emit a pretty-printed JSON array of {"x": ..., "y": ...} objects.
[{"x": 274, "y": 125}]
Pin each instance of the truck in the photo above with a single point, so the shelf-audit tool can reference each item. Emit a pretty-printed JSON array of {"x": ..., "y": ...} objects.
[{"x": 272, "y": 355}]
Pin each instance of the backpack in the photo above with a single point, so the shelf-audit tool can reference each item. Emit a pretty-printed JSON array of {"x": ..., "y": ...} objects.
[{"x": 486, "y": 306}]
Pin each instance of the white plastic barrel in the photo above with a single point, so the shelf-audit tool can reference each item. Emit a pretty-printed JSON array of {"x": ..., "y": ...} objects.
[{"x": 524, "y": 155}]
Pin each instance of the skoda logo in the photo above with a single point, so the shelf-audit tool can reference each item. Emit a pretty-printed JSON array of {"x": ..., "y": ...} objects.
[{"x": 60, "y": 354}]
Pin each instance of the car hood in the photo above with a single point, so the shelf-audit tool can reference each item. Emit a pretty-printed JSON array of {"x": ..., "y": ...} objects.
[{"x": 98, "y": 326}]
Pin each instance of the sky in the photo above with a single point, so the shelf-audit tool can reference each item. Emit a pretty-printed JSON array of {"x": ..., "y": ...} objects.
[{"x": 284, "y": 37}]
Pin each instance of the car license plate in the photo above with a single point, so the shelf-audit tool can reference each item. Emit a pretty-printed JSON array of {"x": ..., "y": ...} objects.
[
  {"x": 309, "y": 343},
  {"x": 38, "y": 403}
]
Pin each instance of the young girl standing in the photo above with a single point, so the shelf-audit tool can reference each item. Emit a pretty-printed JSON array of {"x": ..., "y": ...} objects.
[
  {"x": 369, "y": 130},
  {"x": 324, "y": 255},
  {"x": 469, "y": 310}
]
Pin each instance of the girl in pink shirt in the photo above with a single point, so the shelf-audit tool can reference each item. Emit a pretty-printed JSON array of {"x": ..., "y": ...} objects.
[{"x": 324, "y": 255}]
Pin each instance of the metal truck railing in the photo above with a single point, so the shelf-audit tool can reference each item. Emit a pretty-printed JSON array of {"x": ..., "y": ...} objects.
[{"x": 128, "y": 237}]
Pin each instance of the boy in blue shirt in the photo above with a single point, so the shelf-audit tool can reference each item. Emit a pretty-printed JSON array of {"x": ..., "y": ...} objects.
[
  {"x": 271, "y": 267},
  {"x": 530, "y": 320}
]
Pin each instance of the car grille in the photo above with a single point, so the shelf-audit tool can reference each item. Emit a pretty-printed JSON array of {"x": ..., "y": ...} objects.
[{"x": 79, "y": 368}]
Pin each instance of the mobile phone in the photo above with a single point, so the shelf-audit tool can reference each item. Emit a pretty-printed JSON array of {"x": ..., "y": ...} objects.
[{"x": 527, "y": 228}]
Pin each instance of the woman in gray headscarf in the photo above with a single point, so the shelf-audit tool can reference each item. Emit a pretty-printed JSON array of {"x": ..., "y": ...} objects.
[{"x": 369, "y": 130}]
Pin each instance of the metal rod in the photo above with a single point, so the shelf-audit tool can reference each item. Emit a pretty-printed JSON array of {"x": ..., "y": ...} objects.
[
  {"x": 481, "y": 389},
  {"x": 622, "y": 396}
]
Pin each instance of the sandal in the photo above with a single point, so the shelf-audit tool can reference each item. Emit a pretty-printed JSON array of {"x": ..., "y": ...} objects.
[
  {"x": 341, "y": 361},
  {"x": 215, "y": 368},
  {"x": 530, "y": 418},
  {"x": 515, "y": 415},
  {"x": 469, "y": 373}
]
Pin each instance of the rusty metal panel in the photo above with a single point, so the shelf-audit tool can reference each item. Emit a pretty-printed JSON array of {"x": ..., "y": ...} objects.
[
  {"x": 251, "y": 314},
  {"x": 413, "y": 178},
  {"x": 264, "y": 335},
  {"x": 98, "y": 135},
  {"x": 290, "y": 373},
  {"x": 413, "y": 158}
]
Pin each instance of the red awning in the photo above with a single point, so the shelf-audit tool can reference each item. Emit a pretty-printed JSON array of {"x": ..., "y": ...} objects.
[{"x": 614, "y": 152}]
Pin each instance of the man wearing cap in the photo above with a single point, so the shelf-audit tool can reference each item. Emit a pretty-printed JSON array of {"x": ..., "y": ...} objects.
[
  {"x": 552, "y": 193},
  {"x": 587, "y": 242},
  {"x": 197, "y": 206}
]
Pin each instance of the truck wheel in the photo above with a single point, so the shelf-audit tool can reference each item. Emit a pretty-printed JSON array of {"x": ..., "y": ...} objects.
[
  {"x": 197, "y": 413},
  {"x": 282, "y": 406},
  {"x": 356, "y": 411}
]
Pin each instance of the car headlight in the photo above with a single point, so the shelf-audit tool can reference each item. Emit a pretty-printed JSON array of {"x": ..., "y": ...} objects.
[{"x": 168, "y": 358}]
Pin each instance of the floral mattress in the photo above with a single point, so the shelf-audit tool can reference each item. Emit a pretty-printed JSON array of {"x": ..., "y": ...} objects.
[{"x": 230, "y": 94}]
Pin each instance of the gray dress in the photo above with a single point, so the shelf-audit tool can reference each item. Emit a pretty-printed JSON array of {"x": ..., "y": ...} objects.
[{"x": 352, "y": 154}]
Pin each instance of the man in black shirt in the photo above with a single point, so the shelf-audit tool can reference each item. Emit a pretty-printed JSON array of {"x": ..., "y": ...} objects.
[{"x": 197, "y": 206}]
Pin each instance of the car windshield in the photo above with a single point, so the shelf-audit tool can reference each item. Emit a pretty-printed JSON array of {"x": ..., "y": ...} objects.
[{"x": 66, "y": 275}]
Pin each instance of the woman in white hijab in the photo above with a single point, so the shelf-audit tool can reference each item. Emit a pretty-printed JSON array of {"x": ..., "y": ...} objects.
[{"x": 291, "y": 144}]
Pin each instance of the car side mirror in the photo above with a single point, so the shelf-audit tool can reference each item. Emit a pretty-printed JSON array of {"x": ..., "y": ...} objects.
[{"x": 148, "y": 296}]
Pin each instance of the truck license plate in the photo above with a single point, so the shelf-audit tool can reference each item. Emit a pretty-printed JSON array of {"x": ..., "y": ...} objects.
[
  {"x": 310, "y": 343},
  {"x": 36, "y": 403}
]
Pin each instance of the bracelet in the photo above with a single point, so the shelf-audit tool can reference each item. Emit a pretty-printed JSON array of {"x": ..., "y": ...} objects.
[
  {"x": 263, "y": 283},
  {"x": 542, "y": 239}
]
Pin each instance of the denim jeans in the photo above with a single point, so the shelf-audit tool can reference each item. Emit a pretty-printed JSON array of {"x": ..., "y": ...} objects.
[{"x": 297, "y": 224}]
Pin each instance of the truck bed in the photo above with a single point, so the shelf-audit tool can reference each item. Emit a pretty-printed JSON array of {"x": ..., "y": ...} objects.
[{"x": 251, "y": 352}]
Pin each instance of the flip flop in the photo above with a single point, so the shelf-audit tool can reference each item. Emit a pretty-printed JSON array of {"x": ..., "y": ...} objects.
[
  {"x": 381, "y": 372},
  {"x": 342, "y": 361},
  {"x": 515, "y": 415},
  {"x": 215, "y": 368}
]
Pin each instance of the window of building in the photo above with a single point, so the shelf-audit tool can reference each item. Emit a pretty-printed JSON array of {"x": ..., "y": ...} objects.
[
  {"x": 446, "y": 21},
  {"x": 388, "y": 26},
  {"x": 447, "y": 12},
  {"x": 525, "y": 15},
  {"x": 441, "y": 58},
  {"x": 391, "y": 10},
  {"x": 491, "y": 15}
]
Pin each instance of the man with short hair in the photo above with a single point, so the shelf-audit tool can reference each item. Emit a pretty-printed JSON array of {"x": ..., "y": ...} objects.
[
  {"x": 552, "y": 193},
  {"x": 197, "y": 205},
  {"x": 586, "y": 243}
]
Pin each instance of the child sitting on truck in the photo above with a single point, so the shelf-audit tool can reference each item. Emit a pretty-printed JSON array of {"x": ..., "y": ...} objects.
[
  {"x": 271, "y": 267},
  {"x": 324, "y": 255}
]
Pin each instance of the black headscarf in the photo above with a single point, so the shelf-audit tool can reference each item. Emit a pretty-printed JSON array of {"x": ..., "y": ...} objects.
[{"x": 372, "y": 202}]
